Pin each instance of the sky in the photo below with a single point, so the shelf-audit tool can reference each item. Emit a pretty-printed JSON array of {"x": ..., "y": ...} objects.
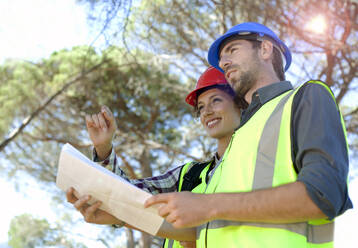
[
  {"x": 17, "y": 203},
  {"x": 34, "y": 29}
]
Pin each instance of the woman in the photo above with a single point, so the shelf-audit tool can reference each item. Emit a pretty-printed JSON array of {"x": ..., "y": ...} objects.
[{"x": 219, "y": 111}]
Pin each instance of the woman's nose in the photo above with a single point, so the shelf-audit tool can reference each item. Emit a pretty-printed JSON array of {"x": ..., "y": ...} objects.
[{"x": 207, "y": 110}]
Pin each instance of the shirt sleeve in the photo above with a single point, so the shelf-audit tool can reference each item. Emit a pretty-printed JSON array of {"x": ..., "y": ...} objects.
[
  {"x": 320, "y": 150},
  {"x": 108, "y": 163},
  {"x": 165, "y": 183}
]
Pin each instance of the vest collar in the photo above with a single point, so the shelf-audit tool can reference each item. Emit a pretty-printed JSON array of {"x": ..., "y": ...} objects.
[
  {"x": 262, "y": 96},
  {"x": 269, "y": 92}
]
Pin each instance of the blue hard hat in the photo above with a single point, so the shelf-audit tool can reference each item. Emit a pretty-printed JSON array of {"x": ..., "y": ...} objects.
[{"x": 244, "y": 29}]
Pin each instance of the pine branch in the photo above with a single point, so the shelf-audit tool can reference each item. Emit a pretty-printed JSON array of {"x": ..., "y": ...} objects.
[{"x": 34, "y": 114}]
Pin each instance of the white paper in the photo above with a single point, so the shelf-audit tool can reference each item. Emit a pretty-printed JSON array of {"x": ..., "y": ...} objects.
[{"x": 119, "y": 198}]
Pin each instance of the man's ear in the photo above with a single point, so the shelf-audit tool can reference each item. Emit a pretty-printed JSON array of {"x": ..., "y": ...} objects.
[{"x": 266, "y": 50}]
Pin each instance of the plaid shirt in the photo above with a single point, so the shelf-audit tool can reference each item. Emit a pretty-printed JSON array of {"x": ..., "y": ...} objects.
[{"x": 165, "y": 183}]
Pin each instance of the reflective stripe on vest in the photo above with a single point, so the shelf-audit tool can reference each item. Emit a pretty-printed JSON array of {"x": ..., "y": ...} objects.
[
  {"x": 266, "y": 154},
  {"x": 170, "y": 243},
  {"x": 315, "y": 234},
  {"x": 271, "y": 166}
]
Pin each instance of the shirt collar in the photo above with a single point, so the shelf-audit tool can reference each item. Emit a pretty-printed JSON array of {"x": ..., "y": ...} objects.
[
  {"x": 269, "y": 92},
  {"x": 214, "y": 159}
]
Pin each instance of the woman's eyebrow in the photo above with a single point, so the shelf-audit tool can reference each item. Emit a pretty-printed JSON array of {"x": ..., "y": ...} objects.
[{"x": 211, "y": 97}]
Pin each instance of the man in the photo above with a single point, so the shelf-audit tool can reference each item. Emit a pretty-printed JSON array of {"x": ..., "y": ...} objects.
[{"x": 282, "y": 179}]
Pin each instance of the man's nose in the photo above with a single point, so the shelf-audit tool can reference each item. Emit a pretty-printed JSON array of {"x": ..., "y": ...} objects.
[{"x": 224, "y": 62}]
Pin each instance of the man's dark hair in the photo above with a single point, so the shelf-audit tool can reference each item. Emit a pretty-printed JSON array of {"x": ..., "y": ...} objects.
[{"x": 277, "y": 62}]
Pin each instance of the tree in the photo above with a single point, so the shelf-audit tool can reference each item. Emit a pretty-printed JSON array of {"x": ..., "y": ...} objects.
[
  {"x": 180, "y": 32},
  {"x": 27, "y": 231},
  {"x": 121, "y": 84},
  {"x": 144, "y": 97},
  {"x": 165, "y": 42}
]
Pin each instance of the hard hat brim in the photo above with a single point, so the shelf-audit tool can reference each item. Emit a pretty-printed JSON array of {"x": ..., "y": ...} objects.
[{"x": 191, "y": 98}]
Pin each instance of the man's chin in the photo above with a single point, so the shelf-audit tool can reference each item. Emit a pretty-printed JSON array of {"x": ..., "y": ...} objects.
[
  {"x": 233, "y": 83},
  {"x": 236, "y": 86}
]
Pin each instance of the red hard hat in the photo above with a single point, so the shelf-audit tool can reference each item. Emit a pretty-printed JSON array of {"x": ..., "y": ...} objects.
[{"x": 211, "y": 76}]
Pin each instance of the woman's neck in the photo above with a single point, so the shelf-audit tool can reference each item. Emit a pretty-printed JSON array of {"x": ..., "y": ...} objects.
[{"x": 222, "y": 144}]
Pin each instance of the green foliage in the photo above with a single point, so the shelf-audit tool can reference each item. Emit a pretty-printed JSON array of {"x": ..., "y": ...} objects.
[
  {"x": 146, "y": 99},
  {"x": 27, "y": 231},
  {"x": 145, "y": 80}
]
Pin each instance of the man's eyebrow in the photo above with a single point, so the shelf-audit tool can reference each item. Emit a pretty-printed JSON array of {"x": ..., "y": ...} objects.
[{"x": 230, "y": 46}]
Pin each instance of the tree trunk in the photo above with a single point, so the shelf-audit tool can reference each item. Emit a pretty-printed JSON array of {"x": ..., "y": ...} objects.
[
  {"x": 144, "y": 161},
  {"x": 130, "y": 238},
  {"x": 145, "y": 241}
]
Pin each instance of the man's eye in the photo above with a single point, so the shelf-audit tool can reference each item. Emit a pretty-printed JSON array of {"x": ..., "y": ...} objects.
[{"x": 233, "y": 49}]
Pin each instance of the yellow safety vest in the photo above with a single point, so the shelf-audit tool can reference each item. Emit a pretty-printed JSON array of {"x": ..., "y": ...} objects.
[
  {"x": 258, "y": 157},
  {"x": 169, "y": 243}
]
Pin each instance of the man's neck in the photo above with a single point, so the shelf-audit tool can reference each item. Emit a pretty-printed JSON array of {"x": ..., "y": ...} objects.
[{"x": 259, "y": 84}]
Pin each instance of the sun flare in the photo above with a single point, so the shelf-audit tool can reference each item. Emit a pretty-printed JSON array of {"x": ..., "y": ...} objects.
[{"x": 317, "y": 25}]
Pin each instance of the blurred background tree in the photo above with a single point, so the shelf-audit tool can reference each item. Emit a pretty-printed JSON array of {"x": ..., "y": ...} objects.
[
  {"x": 150, "y": 56},
  {"x": 27, "y": 231}
]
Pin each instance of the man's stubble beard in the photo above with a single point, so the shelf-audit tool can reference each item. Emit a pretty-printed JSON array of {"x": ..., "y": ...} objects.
[
  {"x": 243, "y": 84},
  {"x": 246, "y": 81}
]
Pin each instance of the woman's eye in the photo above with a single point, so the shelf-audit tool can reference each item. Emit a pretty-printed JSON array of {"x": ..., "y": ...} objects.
[{"x": 216, "y": 100}]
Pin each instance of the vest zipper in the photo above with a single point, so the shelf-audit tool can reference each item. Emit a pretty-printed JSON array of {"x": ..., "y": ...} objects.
[{"x": 206, "y": 235}]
